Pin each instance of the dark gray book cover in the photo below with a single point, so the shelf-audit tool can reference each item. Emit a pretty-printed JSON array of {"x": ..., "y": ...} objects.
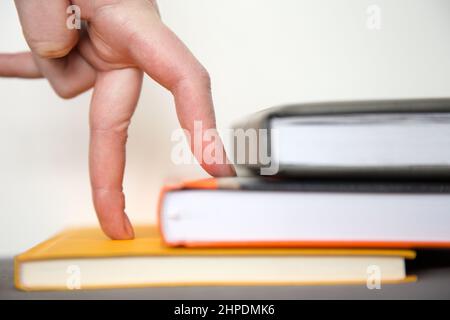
[{"x": 262, "y": 120}]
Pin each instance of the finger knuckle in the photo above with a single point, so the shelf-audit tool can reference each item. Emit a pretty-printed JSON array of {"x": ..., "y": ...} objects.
[
  {"x": 102, "y": 126},
  {"x": 198, "y": 78},
  {"x": 51, "y": 49},
  {"x": 65, "y": 92},
  {"x": 203, "y": 77}
]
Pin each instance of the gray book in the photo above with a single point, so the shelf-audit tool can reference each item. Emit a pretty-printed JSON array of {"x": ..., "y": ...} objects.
[{"x": 384, "y": 138}]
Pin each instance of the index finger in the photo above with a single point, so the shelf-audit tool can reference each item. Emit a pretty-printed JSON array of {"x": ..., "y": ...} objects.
[{"x": 162, "y": 55}]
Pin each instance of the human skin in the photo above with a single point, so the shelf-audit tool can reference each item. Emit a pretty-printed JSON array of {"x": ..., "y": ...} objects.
[{"x": 123, "y": 40}]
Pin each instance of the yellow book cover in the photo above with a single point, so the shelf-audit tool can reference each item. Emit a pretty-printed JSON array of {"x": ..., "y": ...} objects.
[{"x": 86, "y": 259}]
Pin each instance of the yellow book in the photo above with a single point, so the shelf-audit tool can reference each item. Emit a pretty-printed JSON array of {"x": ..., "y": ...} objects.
[{"x": 86, "y": 259}]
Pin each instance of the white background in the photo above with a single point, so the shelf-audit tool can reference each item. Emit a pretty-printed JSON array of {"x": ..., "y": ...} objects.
[{"x": 259, "y": 54}]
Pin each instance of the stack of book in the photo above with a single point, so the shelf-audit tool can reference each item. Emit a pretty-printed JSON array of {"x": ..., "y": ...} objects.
[{"x": 357, "y": 187}]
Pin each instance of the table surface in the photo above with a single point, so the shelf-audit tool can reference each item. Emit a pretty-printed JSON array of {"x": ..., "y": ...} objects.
[{"x": 431, "y": 267}]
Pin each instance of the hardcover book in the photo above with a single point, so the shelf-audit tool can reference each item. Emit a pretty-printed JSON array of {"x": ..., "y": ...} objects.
[
  {"x": 86, "y": 259},
  {"x": 306, "y": 213},
  {"x": 385, "y": 138}
]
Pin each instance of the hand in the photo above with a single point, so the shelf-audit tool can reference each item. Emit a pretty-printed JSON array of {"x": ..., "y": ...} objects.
[{"x": 123, "y": 39}]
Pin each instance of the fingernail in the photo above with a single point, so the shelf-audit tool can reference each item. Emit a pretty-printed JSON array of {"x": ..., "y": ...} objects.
[
  {"x": 129, "y": 228},
  {"x": 233, "y": 170}
]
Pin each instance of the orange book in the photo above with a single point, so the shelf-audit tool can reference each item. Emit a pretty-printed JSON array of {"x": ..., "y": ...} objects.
[
  {"x": 270, "y": 212},
  {"x": 86, "y": 259}
]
